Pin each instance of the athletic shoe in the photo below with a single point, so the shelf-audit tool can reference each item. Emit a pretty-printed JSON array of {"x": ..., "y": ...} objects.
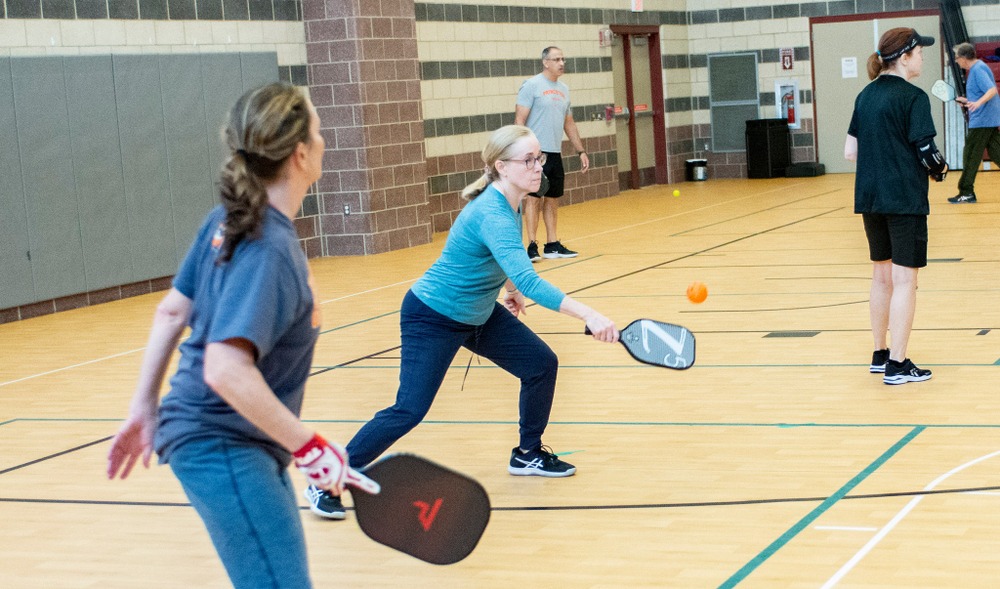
[
  {"x": 539, "y": 462},
  {"x": 904, "y": 372},
  {"x": 963, "y": 198},
  {"x": 323, "y": 504},
  {"x": 533, "y": 252},
  {"x": 555, "y": 249},
  {"x": 879, "y": 358}
]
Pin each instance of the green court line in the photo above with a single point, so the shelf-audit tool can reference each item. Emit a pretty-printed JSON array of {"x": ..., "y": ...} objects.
[{"x": 755, "y": 562}]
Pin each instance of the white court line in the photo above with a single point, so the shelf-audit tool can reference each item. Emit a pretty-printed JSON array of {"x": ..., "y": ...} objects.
[
  {"x": 584, "y": 237},
  {"x": 370, "y": 290},
  {"x": 94, "y": 361},
  {"x": 682, "y": 213},
  {"x": 898, "y": 518},
  {"x": 376, "y": 289},
  {"x": 845, "y": 528}
]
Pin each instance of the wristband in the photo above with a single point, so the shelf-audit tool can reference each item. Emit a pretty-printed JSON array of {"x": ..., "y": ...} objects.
[{"x": 312, "y": 449}]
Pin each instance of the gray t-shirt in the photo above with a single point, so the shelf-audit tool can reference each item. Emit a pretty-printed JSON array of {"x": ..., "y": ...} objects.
[
  {"x": 549, "y": 104},
  {"x": 262, "y": 295}
]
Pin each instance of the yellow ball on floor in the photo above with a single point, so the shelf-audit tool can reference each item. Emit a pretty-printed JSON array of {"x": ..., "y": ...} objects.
[{"x": 677, "y": 193}]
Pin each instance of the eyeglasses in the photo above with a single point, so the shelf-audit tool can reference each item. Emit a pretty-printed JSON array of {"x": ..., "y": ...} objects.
[{"x": 529, "y": 162}]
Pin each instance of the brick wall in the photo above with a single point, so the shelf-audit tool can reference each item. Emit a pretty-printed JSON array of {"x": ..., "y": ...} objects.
[{"x": 364, "y": 81}]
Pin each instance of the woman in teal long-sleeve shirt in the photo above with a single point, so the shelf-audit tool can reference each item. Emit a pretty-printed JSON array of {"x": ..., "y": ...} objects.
[{"x": 454, "y": 304}]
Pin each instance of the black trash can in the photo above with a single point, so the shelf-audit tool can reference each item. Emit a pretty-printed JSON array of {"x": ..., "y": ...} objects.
[
  {"x": 695, "y": 170},
  {"x": 768, "y": 148}
]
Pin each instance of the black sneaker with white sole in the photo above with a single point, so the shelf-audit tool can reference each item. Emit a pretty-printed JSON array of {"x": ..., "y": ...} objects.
[
  {"x": 540, "y": 462},
  {"x": 533, "y": 254},
  {"x": 323, "y": 504},
  {"x": 904, "y": 372},
  {"x": 555, "y": 249},
  {"x": 879, "y": 358},
  {"x": 963, "y": 199}
]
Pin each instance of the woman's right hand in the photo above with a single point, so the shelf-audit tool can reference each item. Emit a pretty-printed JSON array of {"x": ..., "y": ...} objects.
[
  {"x": 601, "y": 328},
  {"x": 133, "y": 440}
]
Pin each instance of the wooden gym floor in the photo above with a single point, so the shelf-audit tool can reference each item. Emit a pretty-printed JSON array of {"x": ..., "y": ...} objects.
[{"x": 777, "y": 461}]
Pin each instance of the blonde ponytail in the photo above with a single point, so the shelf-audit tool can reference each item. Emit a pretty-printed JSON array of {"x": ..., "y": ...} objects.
[{"x": 476, "y": 188}]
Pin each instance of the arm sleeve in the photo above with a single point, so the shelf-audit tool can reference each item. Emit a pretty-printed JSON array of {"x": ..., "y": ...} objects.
[
  {"x": 930, "y": 157},
  {"x": 921, "y": 124},
  {"x": 525, "y": 95},
  {"x": 185, "y": 281},
  {"x": 503, "y": 238},
  {"x": 852, "y": 129},
  {"x": 258, "y": 301},
  {"x": 980, "y": 80}
]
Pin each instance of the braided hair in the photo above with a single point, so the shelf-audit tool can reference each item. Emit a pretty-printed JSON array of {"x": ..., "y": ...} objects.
[{"x": 265, "y": 126}]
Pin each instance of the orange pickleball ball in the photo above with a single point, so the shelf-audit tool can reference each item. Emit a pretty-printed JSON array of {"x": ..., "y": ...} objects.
[{"x": 697, "y": 292}]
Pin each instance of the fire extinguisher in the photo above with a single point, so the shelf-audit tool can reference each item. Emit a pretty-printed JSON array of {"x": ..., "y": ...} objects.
[{"x": 790, "y": 107}]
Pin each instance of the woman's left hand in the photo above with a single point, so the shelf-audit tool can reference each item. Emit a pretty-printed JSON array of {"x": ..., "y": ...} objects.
[{"x": 514, "y": 301}]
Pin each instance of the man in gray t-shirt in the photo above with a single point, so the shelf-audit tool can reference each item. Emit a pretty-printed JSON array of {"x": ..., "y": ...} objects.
[{"x": 543, "y": 106}]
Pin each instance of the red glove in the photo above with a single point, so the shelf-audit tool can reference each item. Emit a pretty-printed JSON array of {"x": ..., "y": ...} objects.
[{"x": 325, "y": 466}]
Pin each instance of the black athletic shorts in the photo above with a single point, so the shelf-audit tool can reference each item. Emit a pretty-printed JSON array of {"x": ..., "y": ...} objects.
[
  {"x": 901, "y": 238},
  {"x": 553, "y": 170}
]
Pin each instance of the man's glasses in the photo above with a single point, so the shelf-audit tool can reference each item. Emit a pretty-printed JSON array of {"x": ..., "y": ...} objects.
[{"x": 529, "y": 162}]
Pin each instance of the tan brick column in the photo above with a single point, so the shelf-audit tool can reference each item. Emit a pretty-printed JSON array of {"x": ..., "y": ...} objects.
[{"x": 364, "y": 78}]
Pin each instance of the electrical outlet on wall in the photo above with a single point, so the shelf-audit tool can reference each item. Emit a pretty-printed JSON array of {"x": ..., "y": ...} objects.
[{"x": 347, "y": 209}]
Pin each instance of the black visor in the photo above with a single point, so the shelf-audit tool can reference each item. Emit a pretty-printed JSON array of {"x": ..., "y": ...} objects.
[{"x": 914, "y": 40}]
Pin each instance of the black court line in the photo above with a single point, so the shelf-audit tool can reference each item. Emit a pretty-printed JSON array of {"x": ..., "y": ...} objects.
[
  {"x": 816, "y": 265},
  {"x": 978, "y": 330},
  {"x": 829, "y": 306},
  {"x": 627, "y": 274},
  {"x": 775, "y": 207},
  {"x": 371, "y": 356},
  {"x": 708, "y": 249},
  {"x": 743, "y": 501},
  {"x": 610, "y": 507},
  {"x": 57, "y": 454}
]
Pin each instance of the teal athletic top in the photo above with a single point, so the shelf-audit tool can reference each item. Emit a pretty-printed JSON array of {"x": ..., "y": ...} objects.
[{"x": 483, "y": 249}]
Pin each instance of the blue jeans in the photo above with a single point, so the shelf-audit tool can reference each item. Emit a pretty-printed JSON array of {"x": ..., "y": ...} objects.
[
  {"x": 247, "y": 502},
  {"x": 430, "y": 342}
]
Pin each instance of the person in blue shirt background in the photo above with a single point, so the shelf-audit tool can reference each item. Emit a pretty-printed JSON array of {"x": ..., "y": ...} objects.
[
  {"x": 454, "y": 304},
  {"x": 981, "y": 102},
  {"x": 230, "y": 424}
]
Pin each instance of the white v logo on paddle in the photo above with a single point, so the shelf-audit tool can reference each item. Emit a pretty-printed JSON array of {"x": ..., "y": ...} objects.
[{"x": 428, "y": 512}]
